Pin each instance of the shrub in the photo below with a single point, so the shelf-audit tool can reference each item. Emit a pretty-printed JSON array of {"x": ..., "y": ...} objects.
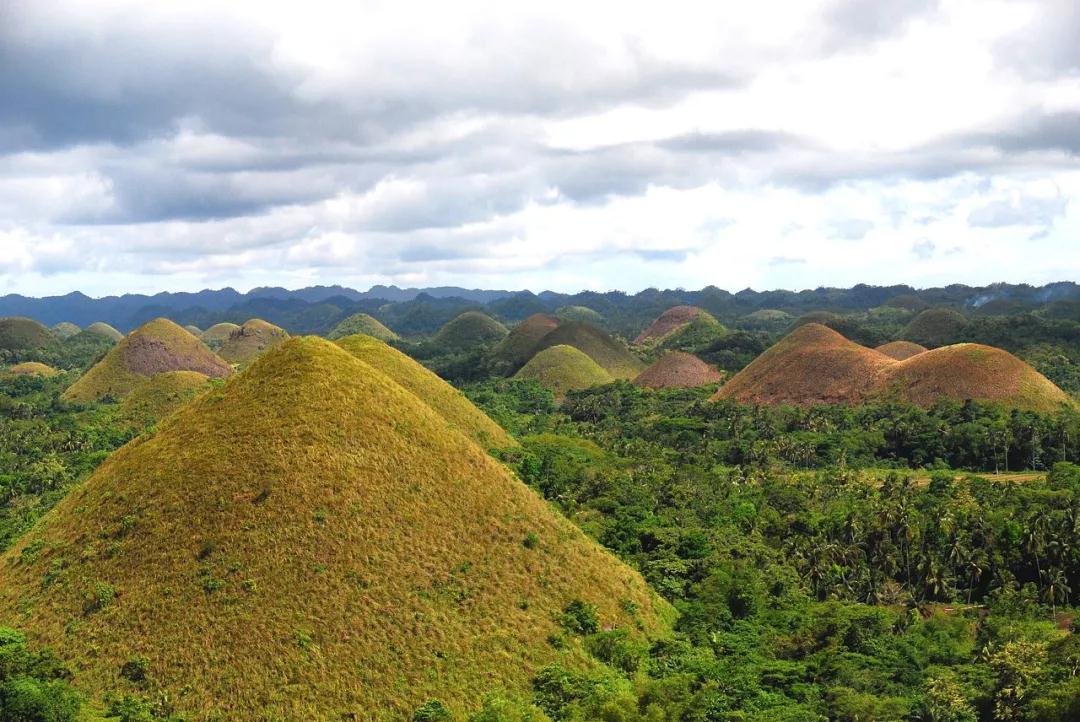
[
  {"x": 26, "y": 699},
  {"x": 580, "y": 618},
  {"x": 135, "y": 669},
  {"x": 433, "y": 711}
]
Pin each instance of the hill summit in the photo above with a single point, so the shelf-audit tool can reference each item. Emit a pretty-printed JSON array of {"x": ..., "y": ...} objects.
[
  {"x": 900, "y": 350},
  {"x": 611, "y": 354},
  {"x": 563, "y": 368},
  {"x": 668, "y": 322},
  {"x": 362, "y": 323},
  {"x": 514, "y": 351},
  {"x": 310, "y": 541},
  {"x": 253, "y": 338},
  {"x": 153, "y": 348},
  {"x": 469, "y": 330},
  {"x": 678, "y": 370}
]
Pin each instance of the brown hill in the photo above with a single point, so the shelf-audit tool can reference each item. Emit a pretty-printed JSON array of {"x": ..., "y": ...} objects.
[
  {"x": 811, "y": 365},
  {"x": 670, "y": 320},
  {"x": 519, "y": 345},
  {"x": 971, "y": 371},
  {"x": 678, "y": 370},
  {"x": 153, "y": 348},
  {"x": 254, "y": 338},
  {"x": 311, "y": 542},
  {"x": 900, "y": 350}
]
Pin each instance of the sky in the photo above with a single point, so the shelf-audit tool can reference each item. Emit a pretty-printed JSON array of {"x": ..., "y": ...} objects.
[{"x": 595, "y": 145}]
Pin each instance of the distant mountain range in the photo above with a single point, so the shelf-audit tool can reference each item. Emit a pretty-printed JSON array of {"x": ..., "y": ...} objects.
[{"x": 317, "y": 309}]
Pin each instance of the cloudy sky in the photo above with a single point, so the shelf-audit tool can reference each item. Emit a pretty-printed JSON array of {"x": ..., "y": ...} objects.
[{"x": 582, "y": 145}]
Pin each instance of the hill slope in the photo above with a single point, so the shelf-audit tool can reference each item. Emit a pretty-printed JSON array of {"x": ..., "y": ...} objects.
[
  {"x": 309, "y": 542},
  {"x": 24, "y": 334},
  {"x": 103, "y": 329},
  {"x": 514, "y": 351},
  {"x": 153, "y": 348},
  {"x": 564, "y": 368},
  {"x": 218, "y": 334},
  {"x": 156, "y": 397},
  {"x": 972, "y": 371},
  {"x": 362, "y": 323},
  {"x": 65, "y": 330},
  {"x": 610, "y": 354},
  {"x": 447, "y": 401},
  {"x": 678, "y": 370},
  {"x": 935, "y": 327},
  {"x": 467, "y": 331},
  {"x": 30, "y": 368},
  {"x": 254, "y": 338},
  {"x": 669, "y": 321},
  {"x": 900, "y": 350},
  {"x": 811, "y": 365}
]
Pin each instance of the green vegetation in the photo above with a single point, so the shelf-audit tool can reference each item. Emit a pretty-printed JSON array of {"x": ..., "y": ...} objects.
[
  {"x": 580, "y": 313},
  {"x": 936, "y": 327},
  {"x": 153, "y": 348},
  {"x": 216, "y": 336},
  {"x": 560, "y": 369},
  {"x": 19, "y": 335},
  {"x": 520, "y": 344},
  {"x": 65, "y": 329},
  {"x": 371, "y": 529},
  {"x": 362, "y": 323}
]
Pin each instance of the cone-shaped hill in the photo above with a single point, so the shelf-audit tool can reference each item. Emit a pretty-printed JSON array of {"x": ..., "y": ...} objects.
[
  {"x": 467, "y": 331},
  {"x": 811, "y": 365},
  {"x": 900, "y": 350},
  {"x": 254, "y": 338},
  {"x": 610, "y": 354},
  {"x": 678, "y": 370},
  {"x": 65, "y": 330},
  {"x": 972, "y": 371},
  {"x": 580, "y": 313},
  {"x": 936, "y": 327},
  {"x": 447, "y": 401},
  {"x": 103, "y": 329},
  {"x": 814, "y": 365},
  {"x": 563, "y": 368},
  {"x": 669, "y": 322},
  {"x": 362, "y": 323},
  {"x": 193, "y": 330},
  {"x": 30, "y": 368},
  {"x": 153, "y": 348},
  {"x": 158, "y": 396},
  {"x": 517, "y": 348},
  {"x": 218, "y": 334},
  {"x": 24, "y": 334},
  {"x": 309, "y": 542}
]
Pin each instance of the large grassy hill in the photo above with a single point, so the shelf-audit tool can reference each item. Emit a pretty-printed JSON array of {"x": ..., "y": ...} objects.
[
  {"x": 153, "y": 348},
  {"x": 311, "y": 542},
  {"x": 678, "y": 370},
  {"x": 517, "y": 348},
  {"x": 562, "y": 368},
  {"x": 24, "y": 334},
  {"x": 935, "y": 327},
  {"x": 609, "y": 353},
  {"x": 469, "y": 330},
  {"x": 362, "y": 323}
]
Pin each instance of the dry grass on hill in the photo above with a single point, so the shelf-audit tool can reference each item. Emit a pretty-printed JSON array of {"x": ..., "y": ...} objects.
[
  {"x": 161, "y": 394},
  {"x": 562, "y": 368},
  {"x": 610, "y": 354},
  {"x": 24, "y": 334},
  {"x": 670, "y": 320},
  {"x": 252, "y": 339},
  {"x": 153, "y": 348},
  {"x": 678, "y": 370},
  {"x": 310, "y": 542},
  {"x": 103, "y": 329},
  {"x": 900, "y": 350},
  {"x": 30, "y": 368},
  {"x": 450, "y": 403},
  {"x": 362, "y": 323},
  {"x": 519, "y": 345}
]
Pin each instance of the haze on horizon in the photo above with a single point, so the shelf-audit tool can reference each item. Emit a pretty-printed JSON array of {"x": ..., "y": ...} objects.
[{"x": 178, "y": 146}]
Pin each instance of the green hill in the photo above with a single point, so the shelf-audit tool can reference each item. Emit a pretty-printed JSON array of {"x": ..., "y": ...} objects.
[
  {"x": 24, "y": 334},
  {"x": 65, "y": 330},
  {"x": 562, "y": 368},
  {"x": 161, "y": 394},
  {"x": 935, "y": 327},
  {"x": 153, "y": 348},
  {"x": 193, "y": 330},
  {"x": 218, "y": 334},
  {"x": 610, "y": 354},
  {"x": 362, "y": 323},
  {"x": 580, "y": 313},
  {"x": 701, "y": 331},
  {"x": 311, "y": 542},
  {"x": 467, "y": 331},
  {"x": 103, "y": 329},
  {"x": 254, "y": 338},
  {"x": 514, "y": 351},
  {"x": 450, "y": 403}
]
